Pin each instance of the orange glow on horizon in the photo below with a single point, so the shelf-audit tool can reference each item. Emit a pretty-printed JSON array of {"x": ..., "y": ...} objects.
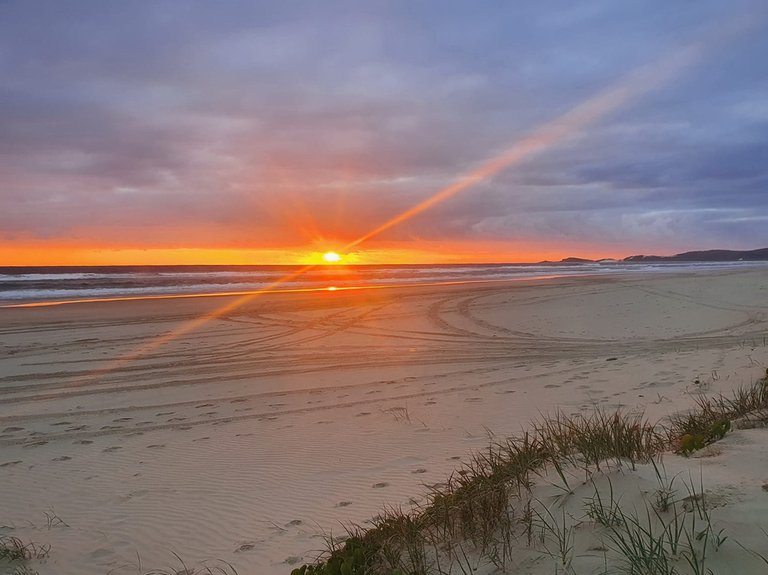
[{"x": 423, "y": 252}]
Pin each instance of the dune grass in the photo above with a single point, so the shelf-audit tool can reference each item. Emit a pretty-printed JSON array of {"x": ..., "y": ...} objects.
[
  {"x": 485, "y": 511},
  {"x": 16, "y": 555},
  {"x": 225, "y": 569}
]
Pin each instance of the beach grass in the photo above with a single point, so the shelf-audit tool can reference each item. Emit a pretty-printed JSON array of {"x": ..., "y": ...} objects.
[
  {"x": 206, "y": 570},
  {"x": 16, "y": 554},
  {"x": 487, "y": 510}
]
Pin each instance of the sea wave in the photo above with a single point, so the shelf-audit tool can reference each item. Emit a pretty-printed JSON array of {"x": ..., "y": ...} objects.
[{"x": 42, "y": 284}]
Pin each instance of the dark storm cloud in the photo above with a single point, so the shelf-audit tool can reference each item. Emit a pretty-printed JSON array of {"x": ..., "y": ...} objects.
[{"x": 185, "y": 115}]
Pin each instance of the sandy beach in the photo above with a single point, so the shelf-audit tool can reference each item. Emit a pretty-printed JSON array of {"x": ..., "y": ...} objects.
[{"x": 251, "y": 436}]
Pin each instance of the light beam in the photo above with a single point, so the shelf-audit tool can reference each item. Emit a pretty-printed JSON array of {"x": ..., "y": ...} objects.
[{"x": 632, "y": 86}]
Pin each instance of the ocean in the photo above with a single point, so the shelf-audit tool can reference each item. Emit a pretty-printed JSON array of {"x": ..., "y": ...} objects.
[{"x": 45, "y": 284}]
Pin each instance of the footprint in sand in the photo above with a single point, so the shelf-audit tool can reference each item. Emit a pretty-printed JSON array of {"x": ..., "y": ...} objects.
[
  {"x": 121, "y": 419},
  {"x": 156, "y": 446},
  {"x": 343, "y": 504},
  {"x": 202, "y": 405},
  {"x": 294, "y": 523},
  {"x": 239, "y": 400},
  {"x": 162, "y": 413},
  {"x": 419, "y": 470},
  {"x": 474, "y": 399},
  {"x": 82, "y": 442},
  {"x": 62, "y": 458},
  {"x": 111, "y": 449},
  {"x": 139, "y": 493},
  {"x": 430, "y": 403},
  {"x": 362, "y": 414},
  {"x": 36, "y": 443},
  {"x": 100, "y": 553},
  {"x": 61, "y": 423},
  {"x": 380, "y": 485},
  {"x": 201, "y": 439},
  {"x": 11, "y": 463},
  {"x": 552, "y": 386},
  {"x": 245, "y": 547}
]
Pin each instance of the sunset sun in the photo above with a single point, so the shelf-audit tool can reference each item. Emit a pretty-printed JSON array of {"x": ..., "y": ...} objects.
[{"x": 331, "y": 257}]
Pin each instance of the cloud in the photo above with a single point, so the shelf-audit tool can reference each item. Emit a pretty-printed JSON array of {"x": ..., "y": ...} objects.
[{"x": 255, "y": 124}]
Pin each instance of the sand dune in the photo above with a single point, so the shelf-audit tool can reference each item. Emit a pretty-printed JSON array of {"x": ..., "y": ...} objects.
[{"x": 248, "y": 438}]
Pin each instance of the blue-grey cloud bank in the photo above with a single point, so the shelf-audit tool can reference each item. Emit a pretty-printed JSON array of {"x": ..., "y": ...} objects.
[{"x": 267, "y": 124}]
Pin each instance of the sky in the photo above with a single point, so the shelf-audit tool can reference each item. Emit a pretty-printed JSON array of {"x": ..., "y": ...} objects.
[{"x": 269, "y": 132}]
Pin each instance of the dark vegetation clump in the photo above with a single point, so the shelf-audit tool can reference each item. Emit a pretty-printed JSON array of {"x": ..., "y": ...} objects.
[{"x": 486, "y": 507}]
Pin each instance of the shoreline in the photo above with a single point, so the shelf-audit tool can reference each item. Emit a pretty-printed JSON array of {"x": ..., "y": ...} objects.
[
  {"x": 270, "y": 291},
  {"x": 333, "y": 282}
]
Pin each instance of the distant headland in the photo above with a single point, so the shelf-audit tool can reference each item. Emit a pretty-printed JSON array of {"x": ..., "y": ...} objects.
[{"x": 695, "y": 256}]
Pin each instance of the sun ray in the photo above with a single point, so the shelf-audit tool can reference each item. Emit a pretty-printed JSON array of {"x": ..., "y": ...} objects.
[{"x": 632, "y": 86}]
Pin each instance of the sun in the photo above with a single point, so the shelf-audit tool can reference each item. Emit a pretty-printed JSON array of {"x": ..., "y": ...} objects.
[{"x": 331, "y": 257}]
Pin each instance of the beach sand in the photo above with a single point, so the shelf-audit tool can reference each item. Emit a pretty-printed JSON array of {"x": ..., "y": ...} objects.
[{"x": 250, "y": 437}]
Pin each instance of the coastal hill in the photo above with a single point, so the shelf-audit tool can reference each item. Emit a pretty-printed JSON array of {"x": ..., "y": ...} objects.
[
  {"x": 696, "y": 256},
  {"x": 706, "y": 256}
]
